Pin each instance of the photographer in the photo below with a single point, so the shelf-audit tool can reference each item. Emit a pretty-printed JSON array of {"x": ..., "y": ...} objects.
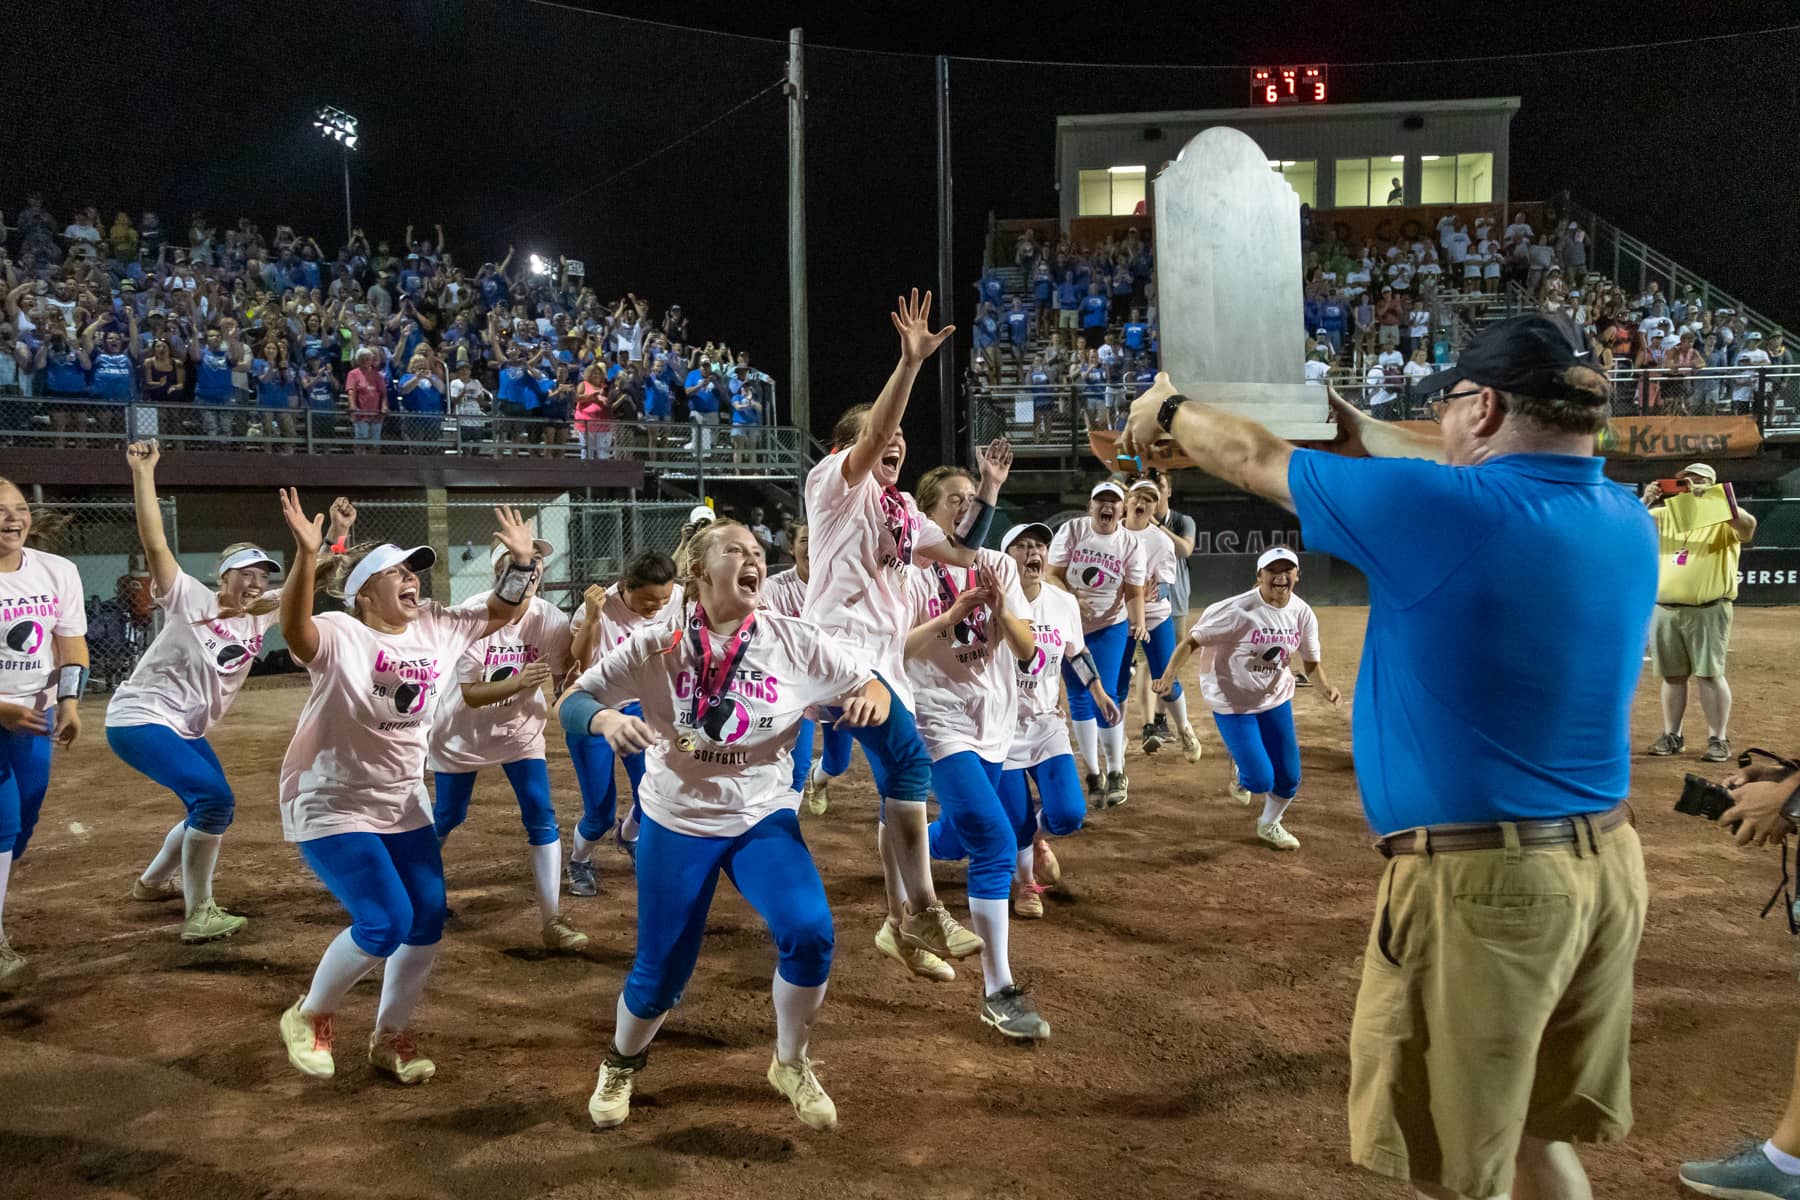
[
  {"x": 1696, "y": 583},
  {"x": 1766, "y": 809}
]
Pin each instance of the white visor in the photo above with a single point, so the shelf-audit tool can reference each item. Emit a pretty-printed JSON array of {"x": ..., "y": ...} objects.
[
  {"x": 1036, "y": 529},
  {"x": 250, "y": 556},
  {"x": 1107, "y": 488},
  {"x": 1276, "y": 554},
  {"x": 539, "y": 549},
  {"x": 419, "y": 558},
  {"x": 700, "y": 514}
]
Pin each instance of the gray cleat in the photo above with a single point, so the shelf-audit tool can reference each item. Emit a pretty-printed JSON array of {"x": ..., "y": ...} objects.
[{"x": 1746, "y": 1175}]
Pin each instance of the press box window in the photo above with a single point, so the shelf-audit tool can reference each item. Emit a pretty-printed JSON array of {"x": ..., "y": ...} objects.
[
  {"x": 1302, "y": 176},
  {"x": 1368, "y": 182},
  {"x": 1112, "y": 191},
  {"x": 1456, "y": 178}
]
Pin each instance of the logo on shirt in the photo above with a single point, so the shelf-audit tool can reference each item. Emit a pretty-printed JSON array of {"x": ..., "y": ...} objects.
[
  {"x": 232, "y": 658},
  {"x": 408, "y": 683},
  {"x": 25, "y": 637},
  {"x": 727, "y": 722},
  {"x": 1092, "y": 577},
  {"x": 1038, "y": 661}
]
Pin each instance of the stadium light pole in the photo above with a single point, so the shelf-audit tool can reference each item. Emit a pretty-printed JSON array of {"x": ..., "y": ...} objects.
[
  {"x": 946, "y": 297},
  {"x": 336, "y": 125},
  {"x": 799, "y": 358}
]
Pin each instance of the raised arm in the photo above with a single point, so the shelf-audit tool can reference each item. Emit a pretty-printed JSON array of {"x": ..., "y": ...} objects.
[
  {"x": 508, "y": 596},
  {"x": 297, "y": 627},
  {"x": 1228, "y": 447},
  {"x": 911, "y": 318},
  {"x": 143, "y": 457}
]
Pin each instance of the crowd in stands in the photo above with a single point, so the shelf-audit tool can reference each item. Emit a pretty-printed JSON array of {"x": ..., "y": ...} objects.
[
  {"x": 1081, "y": 334},
  {"x": 376, "y": 340}
]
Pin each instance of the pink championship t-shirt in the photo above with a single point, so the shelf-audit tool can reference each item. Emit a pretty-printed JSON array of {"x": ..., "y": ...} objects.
[
  {"x": 1159, "y": 570},
  {"x": 39, "y": 602},
  {"x": 357, "y": 761},
  {"x": 741, "y": 767},
  {"x": 618, "y": 622},
  {"x": 1252, "y": 642},
  {"x": 1098, "y": 566},
  {"x": 468, "y": 739},
  {"x": 860, "y": 558},
  {"x": 1056, "y": 628},
  {"x": 964, "y": 680},
  {"x": 785, "y": 592},
  {"x": 192, "y": 671}
]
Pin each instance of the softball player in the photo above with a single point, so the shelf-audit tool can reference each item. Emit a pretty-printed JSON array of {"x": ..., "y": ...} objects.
[
  {"x": 722, "y": 694},
  {"x": 647, "y": 594},
  {"x": 869, "y": 534},
  {"x": 785, "y": 593},
  {"x": 352, "y": 793},
  {"x": 43, "y": 671},
  {"x": 1141, "y": 501},
  {"x": 183, "y": 685},
  {"x": 1040, "y": 751},
  {"x": 969, "y": 631},
  {"x": 494, "y": 717},
  {"x": 1250, "y": 688},
  {"x": 1102, "y": 562}
]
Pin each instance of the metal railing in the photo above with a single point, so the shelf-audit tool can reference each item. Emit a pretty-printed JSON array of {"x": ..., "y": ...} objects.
[{"x": 676, "y": 450}]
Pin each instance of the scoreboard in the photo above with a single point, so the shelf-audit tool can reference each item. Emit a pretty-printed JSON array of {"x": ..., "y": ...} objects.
[{"x": 1289, "y": 85}]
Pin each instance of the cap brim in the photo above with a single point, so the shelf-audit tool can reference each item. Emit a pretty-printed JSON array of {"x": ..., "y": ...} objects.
[
  {"x": 1442, "y": 381},
  {"x": 1107, "y": 489},
  {"x": 1036, "y": 529},
  {"x": 249, "y": 558}
]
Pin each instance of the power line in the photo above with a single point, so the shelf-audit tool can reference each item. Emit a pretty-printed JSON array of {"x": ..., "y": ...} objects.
[
  {"x": 623, "y": 171},
  {"x": 1524, "y": 55}
]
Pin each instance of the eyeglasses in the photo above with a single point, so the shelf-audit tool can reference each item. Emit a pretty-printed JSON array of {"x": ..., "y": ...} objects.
[{"x": 1438, "y": 407}]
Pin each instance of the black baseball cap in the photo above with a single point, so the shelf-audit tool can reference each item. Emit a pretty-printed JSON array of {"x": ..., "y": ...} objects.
[{"x": 1537, "y": 355}]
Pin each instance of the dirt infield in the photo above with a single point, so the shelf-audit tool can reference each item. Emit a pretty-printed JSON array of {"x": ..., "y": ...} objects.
[{"x": 1199, "y": 987}]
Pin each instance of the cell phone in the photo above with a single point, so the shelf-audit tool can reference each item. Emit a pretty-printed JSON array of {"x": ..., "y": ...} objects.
[
  {"x": 1669, "y": 487},
  {"x": 1129, "y": 462}
]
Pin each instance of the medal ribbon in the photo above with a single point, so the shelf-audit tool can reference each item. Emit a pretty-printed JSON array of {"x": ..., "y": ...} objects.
[
  {"x": 716, "y": 672},
  {"x": 899, "y": 522},
  {"x": 948, "y": 592}
]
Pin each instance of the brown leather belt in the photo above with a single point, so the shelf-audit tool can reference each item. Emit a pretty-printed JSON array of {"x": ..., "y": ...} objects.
[{"x": 1447, "y": 839}]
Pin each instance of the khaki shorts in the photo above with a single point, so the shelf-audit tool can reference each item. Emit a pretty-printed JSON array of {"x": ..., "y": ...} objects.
[
  {"x": 1496, "y": 1002},
  {"x": 1690, "y": 640}
]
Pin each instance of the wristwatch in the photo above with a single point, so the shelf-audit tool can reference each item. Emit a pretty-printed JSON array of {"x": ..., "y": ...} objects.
[{"x": 1165, "y": 416}]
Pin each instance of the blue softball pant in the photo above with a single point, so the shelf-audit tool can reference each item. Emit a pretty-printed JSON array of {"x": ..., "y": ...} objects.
[
  {"x": 676, "y": 875},
  {"x": 1111, "y": 648},
  {"x": 593, "y": 758},
  {"x": 186, "y": 766},
  {"x": 530, "y": 779},
  {"x": 973, "y": 823},
  {"x": 836, "y": 758},
  {"x": 1264, "y": 748},
  {"x": 24, "y": 778},
  {"x": 897, "y": 758},
  {"x": 1158, "y": 650},
  {"x": 1062, "y": 804},
  {"x": 392, "y": 884}
]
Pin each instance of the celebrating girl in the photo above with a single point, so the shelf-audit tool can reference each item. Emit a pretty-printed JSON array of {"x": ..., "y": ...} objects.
[
  {"x": 495, "y": 717},
  {"x": 1250, "y": 687},
  {"x": 1100, "y": 561},
  {"x": 722, "y": 692},
  {"x": 785, "y": 593},
  {"x": 43, "y": 671},
  {"x": 1141, "y": 501},
  {"x": 352, "y": 792}
]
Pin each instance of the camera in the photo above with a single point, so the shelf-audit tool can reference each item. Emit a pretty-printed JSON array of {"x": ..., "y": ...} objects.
[{"x": 1701, "y": 797}]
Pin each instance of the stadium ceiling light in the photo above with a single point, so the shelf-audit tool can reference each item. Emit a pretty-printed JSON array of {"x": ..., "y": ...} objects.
[
  {"x": 540, "y": 266},
  {"x": 1126, "y": 170},
  {"x": 337, "y": 125},
  {"x": 1429, "y": 157},
  {"x": 1398, "y": 158}
]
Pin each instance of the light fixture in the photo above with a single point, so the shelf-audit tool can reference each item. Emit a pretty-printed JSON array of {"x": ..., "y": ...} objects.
[
  {"x": 540, "y": 266},
  {"x": 1398, "y": 158},
  {"x": 337, "y": 125},
  {"x": 1429, "y": 157},
  {"x": 1126, "y": 170}
]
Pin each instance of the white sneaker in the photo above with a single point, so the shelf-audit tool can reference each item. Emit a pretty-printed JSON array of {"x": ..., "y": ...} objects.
[
  {"x": 15, "y": 971},
  {"x": 308, "y": 1041},
  {"x": 1273, "y": 834},
  {"x": 1190, "y": 744},
  {"x": 611, "y": 1102},
  {"x": 922, "y": 963},
  {"x": 797, "y": 1082},
  {"x": 817, "y": 793},
  {"x": 1239, "y": 792}
]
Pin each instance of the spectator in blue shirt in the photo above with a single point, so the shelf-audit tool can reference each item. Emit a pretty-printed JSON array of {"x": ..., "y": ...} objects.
[
  {"x": 424, "y": 398},
  {"x": 986, "y": 334},
  {"x": 1042, "y": 297},
  {"x": 1068, "y": 303},
  {"x": 704, "y": 405},
  {"x": 1334, "y": 319},
  {"x": 320, "y": 387},
  {"x": 1121, "y": 291},
  {"x": 1018, "y": 330},
  {"x": 1137, "y": 333},
  {"x": 214, "y": 361},
  {"x": 277, "y": 392},
  {"x": 1094, "y": 310},
  {"x": 1510, "y": 593}
]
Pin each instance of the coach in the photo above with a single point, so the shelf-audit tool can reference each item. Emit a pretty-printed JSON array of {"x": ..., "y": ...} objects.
[
  {"x": 1493, "y": 1025},
  {"x": 1697, "y": 572}
]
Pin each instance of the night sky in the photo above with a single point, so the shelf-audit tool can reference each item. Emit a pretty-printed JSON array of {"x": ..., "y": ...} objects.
[{"x": 485, "y": 115}]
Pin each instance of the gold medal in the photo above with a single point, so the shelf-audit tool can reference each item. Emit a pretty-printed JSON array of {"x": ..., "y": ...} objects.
[{"x": 686, "y": 743}]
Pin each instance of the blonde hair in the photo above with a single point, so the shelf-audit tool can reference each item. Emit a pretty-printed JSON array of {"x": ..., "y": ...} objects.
[
  {"x": 333, "y": 570},
  {"x": 692, "y": 569},
  {"x": 261, "y": 606},
  {"x": 932, "y": 483},
  {"x": 46, "y": 525}
]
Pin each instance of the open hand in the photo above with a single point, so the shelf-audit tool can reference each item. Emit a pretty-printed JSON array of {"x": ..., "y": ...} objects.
[
  {"x": 16, "y": 718},
  {"x": 912, "y": 319},
  {"x": 625, "y": 734},
  {"x": 68, "y": 724},
  {"x": 1108, "y": 708},
  {"x": 996, "y": 460},
  {"x": 309, "y": 532},
  {"x": 514, "y": 533},
  {"x": 532, "y": 676},
  {"x": 1757, "y": 813}
]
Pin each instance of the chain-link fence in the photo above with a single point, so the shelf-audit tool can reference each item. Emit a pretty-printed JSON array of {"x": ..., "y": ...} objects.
[
  {"x": 101, "y": 539},
  {"x": 593, "y": 539}
]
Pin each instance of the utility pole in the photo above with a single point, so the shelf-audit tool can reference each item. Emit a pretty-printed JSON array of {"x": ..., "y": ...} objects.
[
  {"x": 799, "y": 356},
  {"x": 349, "y": 225},
  {"x": 946, "y": 285}
]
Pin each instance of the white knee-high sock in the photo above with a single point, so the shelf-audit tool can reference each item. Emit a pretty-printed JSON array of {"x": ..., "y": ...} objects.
[
  {"x": 1112, "y": 744},
  {"x": 1177, "y": 711},
  {"x": 583, "y": 850},
  {"x": 344, "y": 963},
  {"x": 1674, "y": 703},
  {"x": 5, "y": 877},
  {"x": 1715, "y": 702},
  {"x": 892, "y": 875},
  {"x": 1087, "y": 745},
  {"x": 1273, "y": 807},
  {"x": 1026, "y": 871},
  {"x": 989, "y": 917},
  {"x": 795, "y": 1008},
  {"x": 169, "y": 857},
  {"x": 628, "y": 827},
  {"x": 632, "y": 1033},
  {"x": 199, "y": 857},
  {"x": 546, "y": 875},
  {"x": 402, "y": 983}
]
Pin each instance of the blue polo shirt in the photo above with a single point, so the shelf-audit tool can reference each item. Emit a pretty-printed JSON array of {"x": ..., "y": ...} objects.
[{"x": 1509, "y": 606}]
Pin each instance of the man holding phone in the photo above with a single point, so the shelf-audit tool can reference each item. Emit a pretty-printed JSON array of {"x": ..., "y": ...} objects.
[{"x": 1696, "y": 583}]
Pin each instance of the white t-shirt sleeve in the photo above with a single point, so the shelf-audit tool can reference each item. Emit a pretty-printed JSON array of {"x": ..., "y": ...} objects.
[
  {"x": 1134, "y": 563},
  {"x": 1060, "y": 544},
  {"x": 556, "y": 639},
  {"x": 620, "y": 674},
  {"x": 71, "y": 619},
  {"x": 1216, "y": 625},
  {"x": 833, "y": 670}
]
